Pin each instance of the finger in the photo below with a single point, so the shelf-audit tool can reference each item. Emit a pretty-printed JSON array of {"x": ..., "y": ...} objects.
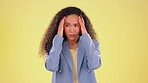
[
  {"x": 80, "y": 21},
  {"x": 60, "y": 28},
  {"x": 63, "y": 20}
]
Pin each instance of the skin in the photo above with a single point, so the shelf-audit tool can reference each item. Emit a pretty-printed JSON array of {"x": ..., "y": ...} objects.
[{"x": 72, "y": 26}]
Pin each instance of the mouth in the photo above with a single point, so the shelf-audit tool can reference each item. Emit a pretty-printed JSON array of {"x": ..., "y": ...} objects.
[{"x": 72, "y": 35}]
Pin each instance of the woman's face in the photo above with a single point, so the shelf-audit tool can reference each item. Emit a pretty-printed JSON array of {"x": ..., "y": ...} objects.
[{"x": 72, "y": 27}]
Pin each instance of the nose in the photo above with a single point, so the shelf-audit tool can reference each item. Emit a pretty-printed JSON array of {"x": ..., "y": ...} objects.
[{"x": 72, "y": 29}]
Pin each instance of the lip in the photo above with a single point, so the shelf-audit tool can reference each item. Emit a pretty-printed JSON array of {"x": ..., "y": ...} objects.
[{"x": 72, "y": 35}]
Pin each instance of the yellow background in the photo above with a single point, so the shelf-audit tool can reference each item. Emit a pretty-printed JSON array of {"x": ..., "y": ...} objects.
[{"x": 122, "y": 27}]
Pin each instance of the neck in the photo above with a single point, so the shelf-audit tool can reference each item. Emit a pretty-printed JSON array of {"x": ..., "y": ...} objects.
[{"x": 73, "y": 44}]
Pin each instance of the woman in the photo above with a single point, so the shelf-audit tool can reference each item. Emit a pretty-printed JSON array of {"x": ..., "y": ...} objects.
[{"x": 71, "y": 48}]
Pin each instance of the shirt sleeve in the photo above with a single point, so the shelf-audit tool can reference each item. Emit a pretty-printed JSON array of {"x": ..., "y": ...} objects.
[
  {"x": 92, "y": 51},
  {"x": 53, "y": 57}
]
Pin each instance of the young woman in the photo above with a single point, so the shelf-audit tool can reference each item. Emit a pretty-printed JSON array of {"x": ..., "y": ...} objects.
[{"x": 71, "y": 47}]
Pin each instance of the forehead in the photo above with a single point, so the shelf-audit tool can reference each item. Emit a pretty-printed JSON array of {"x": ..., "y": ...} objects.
[{"x": 72, "y": 18}]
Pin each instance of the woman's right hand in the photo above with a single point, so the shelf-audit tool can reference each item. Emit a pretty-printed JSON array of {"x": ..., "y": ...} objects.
[{"x": 61, "y": 27}]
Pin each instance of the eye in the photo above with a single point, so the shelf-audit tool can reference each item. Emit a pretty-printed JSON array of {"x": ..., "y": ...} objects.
[
  {"x": 76, "y": 25},
  {"x": 66, "y": 25}
]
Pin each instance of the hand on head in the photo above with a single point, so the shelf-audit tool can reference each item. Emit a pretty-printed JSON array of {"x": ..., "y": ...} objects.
[
  {"x": 81, "y": 22},
  {"x": 61, "y": 27},
  {"x": 82, "y": 25}
]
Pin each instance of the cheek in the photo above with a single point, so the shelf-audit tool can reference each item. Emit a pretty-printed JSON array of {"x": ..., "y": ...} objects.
[
  {"x": 78, "y": 30},
  {"x": 65, "y": 30}
]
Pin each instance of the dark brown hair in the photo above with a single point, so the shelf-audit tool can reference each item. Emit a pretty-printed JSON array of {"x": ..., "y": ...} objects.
[{"x": 52, "y": 29}]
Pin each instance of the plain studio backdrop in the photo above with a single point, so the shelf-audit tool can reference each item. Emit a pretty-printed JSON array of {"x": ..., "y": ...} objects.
[{"x": 121, "y": 25}]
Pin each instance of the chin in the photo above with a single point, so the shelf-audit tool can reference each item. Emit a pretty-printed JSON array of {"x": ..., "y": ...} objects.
[{"x": 71, "y": 39}]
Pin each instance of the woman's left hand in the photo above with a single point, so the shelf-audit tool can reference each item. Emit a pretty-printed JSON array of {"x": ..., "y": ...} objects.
[{"x": 82, "y": 25}]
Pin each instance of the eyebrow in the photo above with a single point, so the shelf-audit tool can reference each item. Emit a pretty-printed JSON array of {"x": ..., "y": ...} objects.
[{"x": 69, "y": 23}]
